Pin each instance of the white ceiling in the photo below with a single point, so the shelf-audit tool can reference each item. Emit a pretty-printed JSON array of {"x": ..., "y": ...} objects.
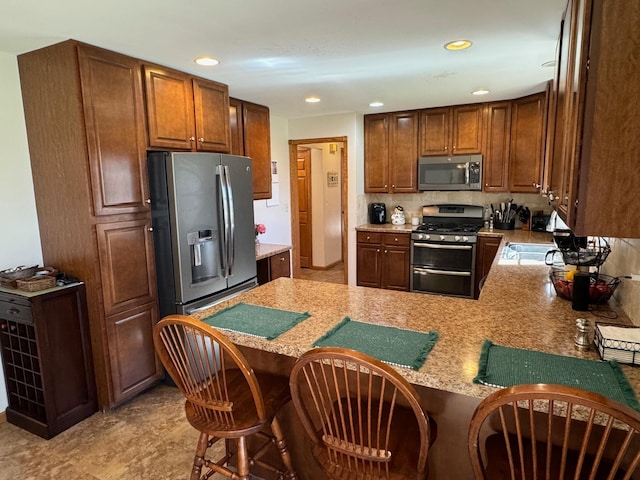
[{"x": 347, "y": 52}]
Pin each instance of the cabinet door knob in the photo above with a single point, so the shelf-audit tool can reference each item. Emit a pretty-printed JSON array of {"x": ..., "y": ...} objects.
[
  {"x": 282, "y": 259},
  {"x": 368, "y": 237},
  {"x": 386, "y": 251},
  {"x": 192, "y": 139},
  {"x": 150, "y": 229},
  {"x": 148, "y": 201},
  {"x": 201, "y": 140},
  {"x": 377, "y": 250}
]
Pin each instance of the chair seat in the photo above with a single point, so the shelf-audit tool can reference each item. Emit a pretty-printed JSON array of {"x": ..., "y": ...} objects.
[
  {"x": 275, "y": 393},
  {"x": 498, "y": 464},
  {"x": 403, "y": 445}
]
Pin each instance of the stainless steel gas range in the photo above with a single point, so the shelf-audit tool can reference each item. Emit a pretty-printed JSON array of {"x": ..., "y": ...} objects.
[{"x": 443, "y": 250}]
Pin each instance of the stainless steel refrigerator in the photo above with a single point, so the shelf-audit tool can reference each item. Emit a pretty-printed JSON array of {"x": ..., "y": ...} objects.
[{"x": 203, "y": 230}]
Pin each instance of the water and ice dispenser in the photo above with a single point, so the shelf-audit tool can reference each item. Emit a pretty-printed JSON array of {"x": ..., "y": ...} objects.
[{"x": 202, "y": 245}]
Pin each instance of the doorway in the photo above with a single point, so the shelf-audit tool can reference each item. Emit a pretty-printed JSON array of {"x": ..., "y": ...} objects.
[{"x": 302, "y": 215}]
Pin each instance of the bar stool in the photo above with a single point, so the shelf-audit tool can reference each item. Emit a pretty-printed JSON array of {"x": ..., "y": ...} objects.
[{"x": 225, "y": 398}]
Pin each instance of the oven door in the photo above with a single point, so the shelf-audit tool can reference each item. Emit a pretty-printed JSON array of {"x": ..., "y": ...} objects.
[
  {"x": 443, "y": 256},
  {"x": 443, "y": 268},
  {"x": 444, "y": 282}
]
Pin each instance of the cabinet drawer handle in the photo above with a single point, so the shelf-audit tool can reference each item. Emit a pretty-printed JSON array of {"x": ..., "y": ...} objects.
[
  {"x": 13, "y": 311},
  {"x": 282, "y": 259},
  {"x": 368, "y": 237}
]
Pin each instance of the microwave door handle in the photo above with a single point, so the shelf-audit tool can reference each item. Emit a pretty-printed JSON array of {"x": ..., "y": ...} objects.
[{"x": 467, "y": 167}]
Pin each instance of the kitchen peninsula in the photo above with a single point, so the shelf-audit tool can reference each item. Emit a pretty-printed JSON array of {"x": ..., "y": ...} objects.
[{"x": 518, "y": 307}]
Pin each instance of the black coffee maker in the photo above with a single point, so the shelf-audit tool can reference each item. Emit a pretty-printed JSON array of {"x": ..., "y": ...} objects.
[{"x": 377, "y": 213}]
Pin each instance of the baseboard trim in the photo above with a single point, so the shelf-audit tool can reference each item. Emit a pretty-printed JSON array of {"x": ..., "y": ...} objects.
[
  {"x": 328, "y": 267},
  {"x": 3, "y": 417}
]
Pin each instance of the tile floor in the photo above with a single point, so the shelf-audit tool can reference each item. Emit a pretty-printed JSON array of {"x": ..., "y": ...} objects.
[
  {"x": 333, "y": 275},
  {"x": 146, "y": 438}
]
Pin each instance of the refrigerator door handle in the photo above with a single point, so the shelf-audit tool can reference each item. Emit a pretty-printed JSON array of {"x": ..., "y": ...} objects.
[
  {"x": 225, "y": 219},
  {"x": 232, "y": 232}
]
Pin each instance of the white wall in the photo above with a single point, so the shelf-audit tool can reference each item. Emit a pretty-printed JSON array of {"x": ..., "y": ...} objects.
[
  {"x": 277, "y": 218},
  {"x": 348, "y": 125},
  {"x": 20, "y": 238}
]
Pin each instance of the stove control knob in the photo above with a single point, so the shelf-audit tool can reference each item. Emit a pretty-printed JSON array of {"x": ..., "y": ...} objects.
[
  {"x": 457, "y": 238},
  {"x": 442, "y": 237},
  {"x": 426, "y": 237},
  {"x": 465, "y": 239}
]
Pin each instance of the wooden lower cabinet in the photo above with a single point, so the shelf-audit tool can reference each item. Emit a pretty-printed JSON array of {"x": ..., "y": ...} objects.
[
  {"x": 273, "y": 267},
  {"x": 46, "y": 355},
  {"x": 134, "y": 364},
  {"x": 485, "y": 254},
  {"x": 383, "y": 260}
]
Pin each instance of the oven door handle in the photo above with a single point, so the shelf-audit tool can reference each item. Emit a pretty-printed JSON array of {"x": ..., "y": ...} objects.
[
  {"x": 425, "y": 271},
  {"x": 440, "y": 246}
]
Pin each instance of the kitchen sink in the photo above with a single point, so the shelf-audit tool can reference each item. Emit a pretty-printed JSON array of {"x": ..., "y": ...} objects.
[{"x": 525, "y": 253}]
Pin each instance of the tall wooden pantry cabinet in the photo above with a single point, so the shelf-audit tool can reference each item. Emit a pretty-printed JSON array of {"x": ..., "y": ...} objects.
[{"x": 85, "y": 121}]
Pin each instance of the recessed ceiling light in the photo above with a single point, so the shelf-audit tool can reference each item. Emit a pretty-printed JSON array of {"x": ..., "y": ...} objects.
[
  {"x": 206, "y": 61},
  {"x": 550, "y": 63},
  {"x": 480, "y": 91},
  {"x": 312, "y": 99},
  {"x": 376, "y": 104},
  {"x": 458, "y": 45}
]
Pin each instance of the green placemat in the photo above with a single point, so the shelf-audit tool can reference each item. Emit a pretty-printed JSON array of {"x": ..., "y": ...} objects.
[
  {"x": 263, "y": 322},
  {"x": 505, "y": 366},
  {"x": 405, "y": 348}
]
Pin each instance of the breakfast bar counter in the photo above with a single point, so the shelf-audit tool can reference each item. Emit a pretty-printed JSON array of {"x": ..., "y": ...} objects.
[{"x": 518, "y": 307}]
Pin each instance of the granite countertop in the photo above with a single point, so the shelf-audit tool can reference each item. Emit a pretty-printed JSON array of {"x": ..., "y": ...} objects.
[
  {"x": 518, "y": 307},
  {"x": 264, "y": 250}
]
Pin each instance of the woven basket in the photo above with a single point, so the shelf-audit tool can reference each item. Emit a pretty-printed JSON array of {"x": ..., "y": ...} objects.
[{"x": 34, "y": 284}]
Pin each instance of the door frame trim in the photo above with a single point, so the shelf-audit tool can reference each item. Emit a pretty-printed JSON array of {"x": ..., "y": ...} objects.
[{"x": 293, "y": 181}]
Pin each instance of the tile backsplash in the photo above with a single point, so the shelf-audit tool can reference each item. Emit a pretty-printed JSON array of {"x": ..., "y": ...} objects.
[
  {"x": 412, "y": 202},
  {"x": 624, "y": 259}
]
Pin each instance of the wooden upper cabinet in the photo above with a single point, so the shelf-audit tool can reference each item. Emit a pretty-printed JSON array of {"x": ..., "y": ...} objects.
[
  {"x": 435, "y": 124},
  {"x": 170, "y": 114},
  {"x": 257, "y": 145},
  {"x": 527, "y": 143},
  {"x": 376, "y": 154},
  {"x": 598, "y": 86},
  {"x": 391, "y": 152},
  {"x": 185, "y": 112},
  {"x": 451, "y": 130},
  {"x": 496, "y": 147},
  {"x": 251, "y": 136},
  {"x": 403, "y": 152},
  {"x": 112, "y": 89},
  {"x": 211, "y": 102},
  {"x": 466, "y": 129},
  {"x": 236, "y": 126}
]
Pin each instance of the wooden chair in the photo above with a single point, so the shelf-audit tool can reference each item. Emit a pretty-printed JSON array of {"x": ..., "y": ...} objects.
[
  {"x": 364, "y": 421},
  {"x": 225, "y": 398},
  {"x": 553, "y": 432}
]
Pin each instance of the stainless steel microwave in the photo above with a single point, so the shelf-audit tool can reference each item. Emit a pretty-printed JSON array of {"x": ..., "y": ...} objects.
[{"x": 459, "y": 172}]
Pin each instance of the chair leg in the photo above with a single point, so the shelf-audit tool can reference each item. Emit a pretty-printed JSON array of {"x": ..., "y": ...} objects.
[
  {"x": 243, "y": 459},
  {"x": 282, "y": 448},
  {"x": 198, "y": 460}
]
